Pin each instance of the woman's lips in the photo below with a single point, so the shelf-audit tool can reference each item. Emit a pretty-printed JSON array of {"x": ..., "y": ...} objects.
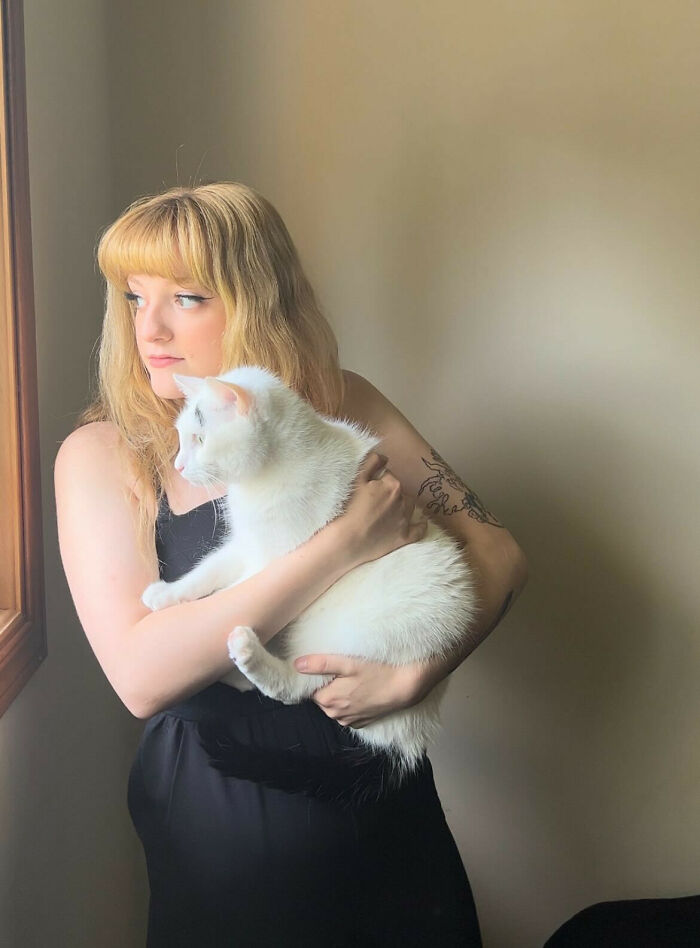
[{"x": 159, "y": 362}]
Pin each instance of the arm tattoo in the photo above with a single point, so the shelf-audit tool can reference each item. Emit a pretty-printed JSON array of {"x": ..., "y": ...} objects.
[{"x": 441, "y": 482}]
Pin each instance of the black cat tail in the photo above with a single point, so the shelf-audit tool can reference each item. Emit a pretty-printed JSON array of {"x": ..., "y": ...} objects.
[{"x": 350, "y": 776}]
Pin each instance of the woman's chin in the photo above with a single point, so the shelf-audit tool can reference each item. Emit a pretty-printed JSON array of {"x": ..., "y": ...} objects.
[{"x": 164, "y": 389}]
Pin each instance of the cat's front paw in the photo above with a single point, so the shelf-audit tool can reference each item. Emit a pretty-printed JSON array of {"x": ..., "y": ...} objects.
[
  {"x": 160, "y": 595},
  {"x": 242, "y": 643}
]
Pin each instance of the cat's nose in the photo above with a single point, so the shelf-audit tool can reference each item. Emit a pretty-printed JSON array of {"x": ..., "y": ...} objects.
[{"x": 179, "y": 468}]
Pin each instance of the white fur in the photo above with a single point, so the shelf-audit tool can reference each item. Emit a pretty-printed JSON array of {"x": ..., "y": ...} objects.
[{"x": 290, "y": 471}]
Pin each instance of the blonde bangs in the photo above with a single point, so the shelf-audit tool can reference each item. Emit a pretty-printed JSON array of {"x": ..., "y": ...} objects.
[{"x": 168, "y": 238}]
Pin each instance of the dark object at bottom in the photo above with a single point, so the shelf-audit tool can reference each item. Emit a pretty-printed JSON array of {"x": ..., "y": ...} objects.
[{"x": 640, "y": 923}]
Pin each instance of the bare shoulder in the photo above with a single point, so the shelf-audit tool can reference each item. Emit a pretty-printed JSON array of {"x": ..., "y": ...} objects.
[
  {"x": 363, "y": 402},
  {"x": 88, "y": 442},
  {"x": 366, "y": 404},
  {"x": 95, "y": 450},
  {"x": 407, "y": 450}
]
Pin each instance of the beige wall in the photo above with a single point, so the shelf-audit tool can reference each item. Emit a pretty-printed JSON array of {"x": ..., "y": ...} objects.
[{"x": 498, "y": 205}]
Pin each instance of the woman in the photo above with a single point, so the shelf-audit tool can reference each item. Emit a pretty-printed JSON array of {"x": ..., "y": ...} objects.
[{"x": 200, "y": 280}]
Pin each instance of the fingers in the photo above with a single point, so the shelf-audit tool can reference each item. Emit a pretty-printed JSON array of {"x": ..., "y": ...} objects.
[
  {"x": 325, "y": 665},
  {"x": 416, "y": 519},
  {"x": 374, "y": 468},
  {"x": 391, "y": 481},
  {"x": 371, "y": 465},
  {"x": 334, "y": 704},
  {"x": 337, "y": 706}
]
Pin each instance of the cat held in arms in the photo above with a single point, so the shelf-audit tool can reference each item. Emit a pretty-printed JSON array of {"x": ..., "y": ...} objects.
[{"x": 250, "y": 431}]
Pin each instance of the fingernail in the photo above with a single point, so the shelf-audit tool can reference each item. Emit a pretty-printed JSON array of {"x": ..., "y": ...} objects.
[{"x": 300, "y": 664}]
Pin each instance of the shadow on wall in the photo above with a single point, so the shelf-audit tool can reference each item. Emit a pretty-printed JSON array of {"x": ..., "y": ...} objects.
[{"x": 574, "y": 747}]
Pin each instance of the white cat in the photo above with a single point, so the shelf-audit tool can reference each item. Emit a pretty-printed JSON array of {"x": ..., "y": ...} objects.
[{"x": 250, "y": 431}]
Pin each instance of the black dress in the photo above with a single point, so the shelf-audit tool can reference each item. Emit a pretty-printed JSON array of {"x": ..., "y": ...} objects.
[{"x": 268, "y": 857}]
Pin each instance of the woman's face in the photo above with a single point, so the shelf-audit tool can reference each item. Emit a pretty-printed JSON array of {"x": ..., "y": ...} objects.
[{"x": 180, "y": 323}]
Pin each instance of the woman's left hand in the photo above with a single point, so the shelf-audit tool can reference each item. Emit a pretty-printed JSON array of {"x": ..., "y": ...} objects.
[{"x": 363, "y": 691}]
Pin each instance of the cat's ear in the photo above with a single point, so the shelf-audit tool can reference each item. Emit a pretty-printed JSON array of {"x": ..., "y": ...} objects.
[
  {"x": 229, "y": 394},
  {"x": 189, "y": 385}
]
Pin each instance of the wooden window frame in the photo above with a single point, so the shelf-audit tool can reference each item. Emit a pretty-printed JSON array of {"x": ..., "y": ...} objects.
[{"x": 22, "y": 608}]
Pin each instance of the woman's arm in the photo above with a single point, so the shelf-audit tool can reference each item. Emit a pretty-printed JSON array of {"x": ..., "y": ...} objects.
[
  {"x": 429, "y": 481},
  {"x": 155, "y": 659},
  {"x": 365, "y": 690},
  {"x": 501, "y": 575}
]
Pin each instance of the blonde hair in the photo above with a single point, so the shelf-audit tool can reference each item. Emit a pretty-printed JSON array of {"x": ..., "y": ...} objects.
[{"x": 229, "y": 239}]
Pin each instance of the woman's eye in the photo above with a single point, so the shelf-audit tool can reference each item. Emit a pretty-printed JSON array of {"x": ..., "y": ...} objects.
[
  {"x": 184, "y": 300},
  {"x": 187, "y": 301}
]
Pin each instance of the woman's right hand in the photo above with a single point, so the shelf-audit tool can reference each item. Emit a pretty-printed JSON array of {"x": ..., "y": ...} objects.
[{"x": 378, "y": 516}]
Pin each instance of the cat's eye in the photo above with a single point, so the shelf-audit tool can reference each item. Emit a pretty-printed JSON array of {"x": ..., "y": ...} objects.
[{"x": 198, "y": 438}]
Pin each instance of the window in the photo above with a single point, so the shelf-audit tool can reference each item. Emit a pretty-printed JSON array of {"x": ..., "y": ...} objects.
[{"x": 22, "y": 621}]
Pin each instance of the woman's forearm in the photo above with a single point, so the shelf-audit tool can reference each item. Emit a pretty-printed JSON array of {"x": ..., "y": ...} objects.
[
  {"x": 500, "y": 574},
  {"x": 171, "y": 654}
]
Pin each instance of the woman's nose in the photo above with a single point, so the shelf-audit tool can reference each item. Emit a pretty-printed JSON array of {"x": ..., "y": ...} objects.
[{"x": 152, "y": 323}]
